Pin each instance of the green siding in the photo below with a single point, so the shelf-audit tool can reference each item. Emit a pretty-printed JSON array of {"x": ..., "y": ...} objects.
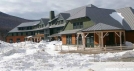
[{"x": 86, "y": 23}]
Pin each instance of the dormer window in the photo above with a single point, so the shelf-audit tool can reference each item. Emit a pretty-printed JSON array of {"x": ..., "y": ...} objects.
[
  {"x": 50, "y": 23},
  {"x": 78, "y": 25},
  {"x": 61, "y": 22}
]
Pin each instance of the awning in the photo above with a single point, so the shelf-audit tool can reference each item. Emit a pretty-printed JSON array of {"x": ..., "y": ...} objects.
[{"x": 54, "y": 35}]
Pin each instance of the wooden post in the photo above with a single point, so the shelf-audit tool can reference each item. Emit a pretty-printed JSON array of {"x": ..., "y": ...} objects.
[
  {"x": 34, "y": 39},
  {"x": 120, "y": 40},
  {"x": 105, "y": 48},
  {"x": 83, "y": 40},
  {"x": 102, "y": 39},
  {"x": 77, "y": 40},
  {"x": 115, "y": 39},
  {"x": 124, "y": 37}
]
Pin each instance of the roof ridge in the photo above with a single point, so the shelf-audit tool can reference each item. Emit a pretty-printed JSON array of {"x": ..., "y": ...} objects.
[{"x": 78, "y": 12}]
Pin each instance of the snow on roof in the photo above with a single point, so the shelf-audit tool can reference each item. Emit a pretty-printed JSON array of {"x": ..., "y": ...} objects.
[{"x": 117, "y": 16}]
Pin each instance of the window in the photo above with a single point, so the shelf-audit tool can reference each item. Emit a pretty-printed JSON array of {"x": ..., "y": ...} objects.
[
  {"x": 74, "y": 26},
  {"x": 30, "y": 27},
  {"x": 80, "y": 40},
  {"x": 81, "y": 25},
  {"x": 77, "y": 25},
  {"x": 61, "y": 22},
  {"x": 18, "y": 40},
  {"x": 69, "y": 39},
  {"x": 26, "y": 33},
  {"x": 12, "y": 34},
  {"x": 11, "y": 41},
  {"x": 27, "y": 28},
  {"x": 16, "y": 34},
  {"x": 21, "y": 34}
]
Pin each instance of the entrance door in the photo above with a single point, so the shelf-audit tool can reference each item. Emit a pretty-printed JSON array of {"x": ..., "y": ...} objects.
[
  {"x": 69, "y": 39},
  {"x": 111, "y": 38},
  {"x": 90, "y": 40}
]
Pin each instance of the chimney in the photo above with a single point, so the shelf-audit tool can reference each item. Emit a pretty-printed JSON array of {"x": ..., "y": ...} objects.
[{"x": 52, "y": 16}]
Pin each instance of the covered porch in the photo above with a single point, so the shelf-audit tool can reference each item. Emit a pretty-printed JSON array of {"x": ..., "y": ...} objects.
[
  {"x": 101, "y": 39},
  {"x": 36, "y": 38}
]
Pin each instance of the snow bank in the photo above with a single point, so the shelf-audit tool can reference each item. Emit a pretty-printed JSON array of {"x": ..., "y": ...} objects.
[
  {"x": 127, "y": 43},
  {"x": 31, "y": 56}
]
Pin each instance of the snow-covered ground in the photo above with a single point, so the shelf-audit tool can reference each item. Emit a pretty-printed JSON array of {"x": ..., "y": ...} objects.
[{"x": 31, "y": 56}]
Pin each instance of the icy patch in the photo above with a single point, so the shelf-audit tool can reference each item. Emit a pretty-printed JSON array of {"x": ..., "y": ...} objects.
[{"x": 117, "y": 16}]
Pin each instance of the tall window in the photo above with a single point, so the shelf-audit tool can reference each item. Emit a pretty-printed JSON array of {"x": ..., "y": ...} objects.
[
  {"x": 78, "y": 25},
  {"x": 18, "y": 40},
  {"x": 75, "y": 25},
  {"x": 69, "y": 39},
  {"x": 11, "y": 41}
]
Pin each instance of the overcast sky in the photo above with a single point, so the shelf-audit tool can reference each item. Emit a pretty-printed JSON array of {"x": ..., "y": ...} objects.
[{"x": 36, "y": 9}]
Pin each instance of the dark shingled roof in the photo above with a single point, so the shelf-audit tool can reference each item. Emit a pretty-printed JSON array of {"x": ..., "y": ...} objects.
[
  {"x": 29, "y": 24},
  {"x": 45, "y": 20},
  {"x": 128, "y": 14},
  {"x": 65, "y": 15},
  {"x": 16, "y": 30}
]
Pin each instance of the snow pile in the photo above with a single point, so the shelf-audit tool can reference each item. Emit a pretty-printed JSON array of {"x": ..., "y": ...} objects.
[
  {"x": 127, "y": 43},
  {"x": 31, "y": 56},
  {"x": 115, "y": 56}
]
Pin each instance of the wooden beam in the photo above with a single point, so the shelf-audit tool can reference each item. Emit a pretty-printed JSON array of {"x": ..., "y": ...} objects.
[
  {"x": 102, "y": 39},
  {"x": 105, "y": 34},
  {"x": 86, "y": 35},
  {"x": 120, "y": 40},
  {"x": 117, "y": 34},
  {"x": 77, "y": 40},
  {"x": 106, "y": 31},
  {"x": 83, "y": 40},
  {"x": 124, "y": 37},
  {"x": 115, "y": 39}
]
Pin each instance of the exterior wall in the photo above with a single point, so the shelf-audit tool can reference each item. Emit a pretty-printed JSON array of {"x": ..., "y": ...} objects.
[
  {"x": 86, "y": 23},
  {"x": 73, "y": 39},
  {"x": 63, "y": 39},
  {"x": 130, "y": 36},
  {"x": 96, "y": 39},
  {"x": 14, "y": 38}
]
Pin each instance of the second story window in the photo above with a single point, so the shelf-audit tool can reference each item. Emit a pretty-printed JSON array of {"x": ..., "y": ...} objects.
[
  {"x": 78, "y": 25},
  {"x": 61, "y": 22}
]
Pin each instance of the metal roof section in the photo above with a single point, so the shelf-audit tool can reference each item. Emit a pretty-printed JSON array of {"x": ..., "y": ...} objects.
[
  {"x": 16, "y": 29},
  {"x": 128, "y": 21},
  {"x": 80, "y": 14},
  {"x": 101, "y": 27},
  {"x": 45, "y": 20},
  {"x": 55, "y": 35},
  {"x": 99, "y": 15},
  {"x": 25, "y": 24},
  {"x": 74, "y": 11},
  {"x": 70, "y": 31},
  {"x": 57, "y": 25},
  {"x": 65, "y": 15}
]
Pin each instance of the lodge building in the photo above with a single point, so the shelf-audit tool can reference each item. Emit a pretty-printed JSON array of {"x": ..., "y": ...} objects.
[{"x": 88, "y": 25}]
